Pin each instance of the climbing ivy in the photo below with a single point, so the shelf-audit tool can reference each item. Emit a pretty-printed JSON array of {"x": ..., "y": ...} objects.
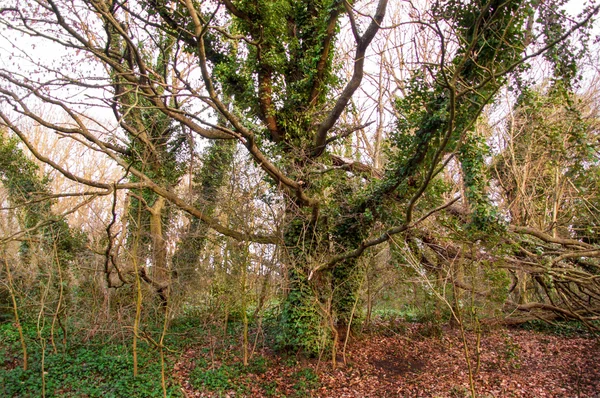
[{"x": 30, "y": 194}]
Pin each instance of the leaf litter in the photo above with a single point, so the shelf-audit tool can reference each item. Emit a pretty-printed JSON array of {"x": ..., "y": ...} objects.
[{"x": 512, "y": 363}]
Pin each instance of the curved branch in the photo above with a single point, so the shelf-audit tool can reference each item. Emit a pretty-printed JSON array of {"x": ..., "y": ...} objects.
[
  {"x": 384, "y": 237},
  {"x": 329, "y": 34},
  {"x": 357, "y": 76},
  {"x": 550, "y": 239}
]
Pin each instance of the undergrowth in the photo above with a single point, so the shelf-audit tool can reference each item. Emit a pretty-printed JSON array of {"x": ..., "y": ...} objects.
[
  {"x": 559, "y": 328},
  {"x": 100, "y": 368}
]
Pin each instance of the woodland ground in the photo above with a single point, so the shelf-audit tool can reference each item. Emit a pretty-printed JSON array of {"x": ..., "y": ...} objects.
[
  {"x": 393, "y": 359},
  {"x": 410, "y": 360}
]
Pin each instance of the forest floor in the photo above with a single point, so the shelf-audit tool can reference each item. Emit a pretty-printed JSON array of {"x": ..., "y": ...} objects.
[{"x": 414, "y": 360}]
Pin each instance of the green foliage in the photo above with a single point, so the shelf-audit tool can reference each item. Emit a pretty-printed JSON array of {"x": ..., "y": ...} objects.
[
  {"x": 273, "y": 59},
  {"x": 302, "y": 322},
  {"x": 562, "y": 54},
  {"x": 307, "y": 381},
  {"x": 184, "y": 331},
  {"x": 408, "y": 313},
  {"x": 291, "y": 55},
  {"x": 94, "y": 370},
  {"x": 511, "y": 352},
  {"x": 270, "y": 388},
  {"x": 437, "y": 120},
  {"x": 437, "y": 117},
  {"x": 484, "y": 216},
  {"x": 347, "y": 277},
  {"x": 20, "y": 176},
  {"x": 221, "y": 379},
  {"x": 558, "y": 328},
  {"x": 226, "y": 378},
  {"x": 30, "y": 193}
]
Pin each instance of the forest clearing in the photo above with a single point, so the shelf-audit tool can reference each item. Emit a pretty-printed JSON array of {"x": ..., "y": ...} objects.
[{"x": 297, "y": 198}]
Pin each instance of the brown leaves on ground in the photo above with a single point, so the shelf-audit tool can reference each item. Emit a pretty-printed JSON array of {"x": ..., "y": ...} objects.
[{"x": 512, "y": 363}]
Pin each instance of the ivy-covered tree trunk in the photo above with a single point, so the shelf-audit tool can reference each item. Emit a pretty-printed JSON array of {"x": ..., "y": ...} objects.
[
  {"x": 492, "y": 40},
  {"x": 154, "y": 142},
  {"x": 212, "y": 175}
]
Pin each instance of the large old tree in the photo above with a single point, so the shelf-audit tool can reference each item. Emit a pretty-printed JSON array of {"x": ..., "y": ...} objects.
[{"x": 146, "y": 83}]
